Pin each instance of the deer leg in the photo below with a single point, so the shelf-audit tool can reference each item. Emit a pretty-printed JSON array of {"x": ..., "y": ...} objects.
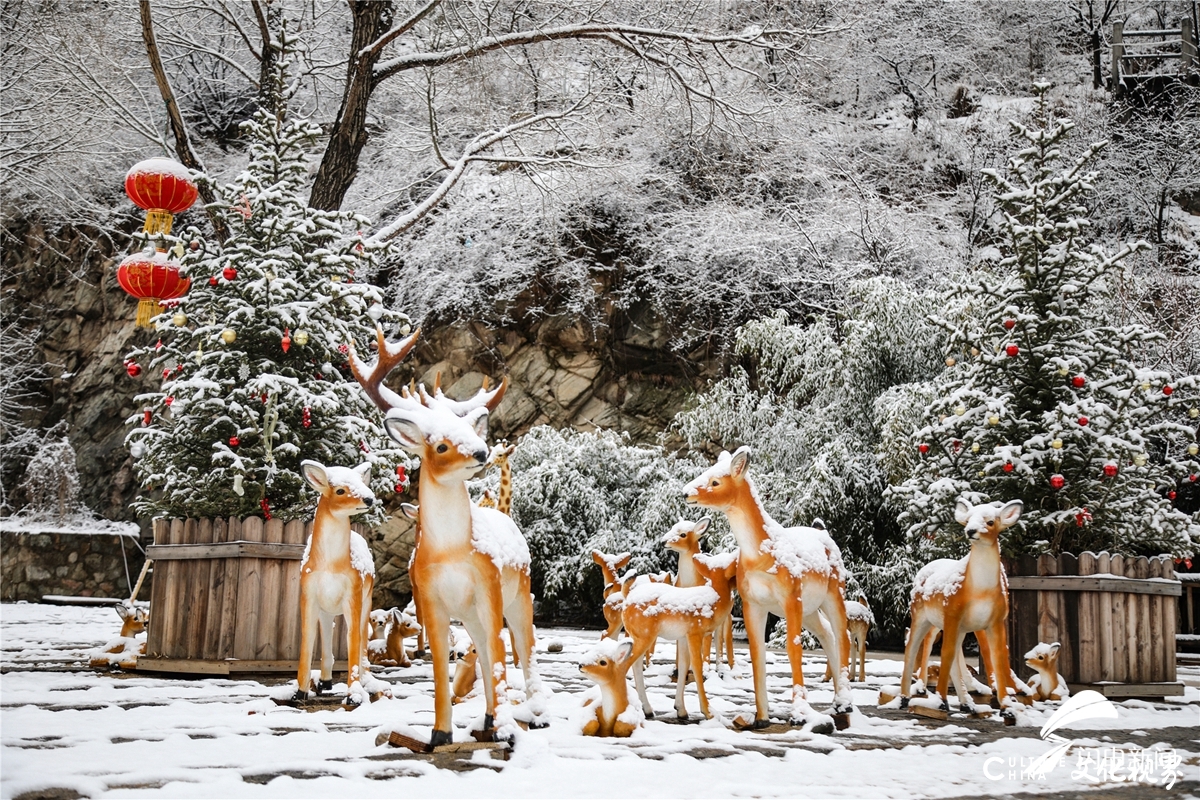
[
  {"x": 353, "y": 616},
  {"x": 862, "y": 658},
  {"x": 794, "y": 619},
  {"x": 437, "y": 622},
  {"x": 308, "y": 631},
  {"x": 923, "y": 667},
  {"x": 487, "y": 642},
  {"x": 639, "y": 649},
  {"x": 917, "y": 633},
  {"x": 326, "y": 622},
  {"x": 521, "y": 632},
  {"x": 729, "y": 640},
  {"x": 997, "y": 637},
  {"x": 985, "y": 661},
  {"x": 756, "y": 632},
  {"x": 951, "y": 646},
  {"x": 698, "y": 656}
]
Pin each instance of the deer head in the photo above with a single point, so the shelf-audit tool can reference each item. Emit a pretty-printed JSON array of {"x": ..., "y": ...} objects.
[
  {"x": 133, "y": 619},
  {"x": 985, "y": 522},
  {"x": 608, "y": 663},
  {"x": 344, "y": 491},
  {"x": 685, "y": 535},
  {"x": 721, "y": 484}
]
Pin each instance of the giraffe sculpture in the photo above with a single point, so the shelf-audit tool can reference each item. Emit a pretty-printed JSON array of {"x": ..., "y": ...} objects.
[{"x": 499, "y": 459}]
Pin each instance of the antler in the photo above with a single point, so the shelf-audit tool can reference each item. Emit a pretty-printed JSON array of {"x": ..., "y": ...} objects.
[
  {"x": 390, "y": 354},
  {"x": 482, "y": 399}
]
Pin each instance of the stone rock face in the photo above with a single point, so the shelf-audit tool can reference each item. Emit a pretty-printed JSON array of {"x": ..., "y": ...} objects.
[
  {"x": 78, "y": 565},
  {"x": 563, "y": 371}
]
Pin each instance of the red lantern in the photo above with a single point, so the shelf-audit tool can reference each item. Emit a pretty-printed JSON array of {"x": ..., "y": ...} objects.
[
  {"x": 1078, "y": 381},
  {"x": 1012, "y": 350},
  {"x": 151, "y": 279},
  {"x": 168, "y": 400},
  {"x": 1110, "y": 470},
  {"x": 163, "y": 188},
  {"x": 306, "y": 417},
  {"x": 1057, "y": 482}
]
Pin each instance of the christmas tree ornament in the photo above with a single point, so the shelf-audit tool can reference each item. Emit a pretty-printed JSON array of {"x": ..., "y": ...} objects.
[
  {"x": 1193, "y": 449},
  {"x": 959, "y": 410},
  {"x": 1078, "y": 381},
  {"x": 950, "y": 361},
  {"x": 1057, "y": 482},
  {"x": 1139, "y": 460},
  {"x": 179, "y": 318},
  {"x": 212, "y": 281},
  {"x": 336, "y": 279},
  {"x": 178, "y": 368},
  {"x": 405, "y": 329},
  {"x": 1056, "y": 444},
  {"x": 1009, "y": 324},
  {"x": 162, "y": 188},
  {"x": 133, "y": 369},
  {"x": 270, "y": 276},
  {"x": 199, "y": 356},
  {"x": 243, "y": 208},
  {"x": 265, "y": 504},
  {"x": 229, "y": 273},
  {"x": 243, "y": 371},
  {"x": 1063, "y": 372},
  {"x": 238, "y": 489},
  {"x": 1145, "y": 386},
  {"x": 981, "y": 474},
  {"x": 306, "y": 417},
  {"x": 137, "y": 449},
  {"x": 974, "y": 351},
  {"x": 1110, "y": 470},
  {"x": 957, "y": 445},
  {"x": 158, "y": 345},
  {"x": 923, "y": 448},
  {"x": 301, "y": 337},
  {"x": 151, "y": 279},
  {"x": 1012, "y": 350},
  {"x": 1194, "y": 412},
  {"x": 146, "y": 417},
  {"x": 1083, "y": 517},
  {"x": 1083, "y": 421},
  {"x": 177, "y": 250},
  {"x": 286, "y": 341},
  {"x": 1008, "y": 466},
  {"x": 1171, "y": 495},
  {"x": 229, "y": 336},
  {"x": 363, "y": 446},
  {"x": 1192, "y": 477},
  {"x": 168, "y": 400},
  {"x": 166, "y": 373},
  {"x": 975, "y": 447},
  {"x": 195, "y": 245},
  {"x": 234, "y": 441},
  {"x": 1168, "y": 390},
  {"x": 993, "y": 419}
]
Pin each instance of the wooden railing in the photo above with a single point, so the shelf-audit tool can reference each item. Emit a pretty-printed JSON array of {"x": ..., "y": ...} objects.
[{"x": 1132, "y": 50}]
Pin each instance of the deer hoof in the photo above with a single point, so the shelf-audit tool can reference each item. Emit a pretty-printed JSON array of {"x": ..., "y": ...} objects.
[
  {"x": 324, "y": 685},
  {"x": 439, "y": 738},
  {"x": 945, "y": 706},
  {"x": 844, "y": 708},
  {"x": 300, "y": 696},
  {"x": 824, "y": 728},
  {"x": 904, "y": 702},
  {"x": 538, "y": 724}
]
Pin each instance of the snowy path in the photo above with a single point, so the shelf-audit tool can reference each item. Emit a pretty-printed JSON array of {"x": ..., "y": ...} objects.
[{"x": 122, "y": 735}]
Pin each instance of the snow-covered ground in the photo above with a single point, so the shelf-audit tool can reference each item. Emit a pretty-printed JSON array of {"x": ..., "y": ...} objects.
[{"x": 120, "y": 735}]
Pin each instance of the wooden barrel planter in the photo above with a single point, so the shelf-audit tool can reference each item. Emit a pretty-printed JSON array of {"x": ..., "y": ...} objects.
[
  {"x": 226, "y": 597},
  {"x": 1115, "y": 617}
]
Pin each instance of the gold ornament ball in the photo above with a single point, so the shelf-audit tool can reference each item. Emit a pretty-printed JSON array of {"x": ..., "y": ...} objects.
[
  {"x": 960, "y": 410},
  {"x": 950, "y": 361},
  {"x": 179, "y": 318},
  {"x": 1194, "y": 412},
  {"x": 975, "y": 447},
  {"x": 229, "y": 336},
  {"x": 994, "y": 419},
  {"x": 1193, "y": 449},
  {"x": 1063, "y": 371},
  {"x": 1145, "y": 386},
  {"x": 974, "y": 351},
  {"x": 1056, "y": 444},
  {"x": 300, "y": 338},
  {"x": 982, "y": 473},
  {"x": 337, "y": 278},
  {"x": 1140, "y": 460}
]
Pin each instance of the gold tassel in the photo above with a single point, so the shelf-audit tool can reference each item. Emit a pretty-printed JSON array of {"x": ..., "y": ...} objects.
[
  {"x": 158, "y": 221},
  {"x": 147, "y": 310}
]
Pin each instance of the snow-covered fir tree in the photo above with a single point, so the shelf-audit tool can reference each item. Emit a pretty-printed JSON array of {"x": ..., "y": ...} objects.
[
  {"x": 253, "y": 360},
  {"x": 803, "y": 397},
  {"x": 1047, "y": 400}
]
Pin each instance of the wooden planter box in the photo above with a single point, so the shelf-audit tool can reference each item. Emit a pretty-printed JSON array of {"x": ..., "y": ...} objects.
[
  {"x": 1115, "y": 617},
  {"x": 226, "y": 597}
]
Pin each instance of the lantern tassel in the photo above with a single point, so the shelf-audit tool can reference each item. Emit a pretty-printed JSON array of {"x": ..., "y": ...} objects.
[
  {"x": 147, "y": 310},
  {"x": 158, "y": 221}
]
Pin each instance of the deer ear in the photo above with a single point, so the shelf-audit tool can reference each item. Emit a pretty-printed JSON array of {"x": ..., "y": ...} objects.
[
  {"x": 622, "y": 562},
  {"x": 409, "y": 510},
  {"x": 480, "y": 423},
  {"x": 364, "y": 471},
  {"x": 405, "y": 432},
  {"x": 314, "y": 473},
  {"x": 624, "y": 651},
  {"x": 596, "y": 557},
  {"x": 962, "y": 512},
  {"x": 1011, "y": 512},
  {"x": 740, "y": 461},
  {"x": 702, "y": 525},
  {"x": 1054, "y": 648}
]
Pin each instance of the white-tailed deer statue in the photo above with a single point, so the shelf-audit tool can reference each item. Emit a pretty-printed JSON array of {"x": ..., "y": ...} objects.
[
  {"x": 470, "y": 563},
  {"x": 793, "y": 573},
  {"x": 684, "y": 538},
  {"x": 337, "y": 575},
  {"x": 611, "y": 566},
  {"x": 392, "y": 627},
  {"x": 961, "y": 596},
  {"x": 1047, "y": 684},
  {"x": 608, "y": 665},
  {"x": 859, "y": 620}
]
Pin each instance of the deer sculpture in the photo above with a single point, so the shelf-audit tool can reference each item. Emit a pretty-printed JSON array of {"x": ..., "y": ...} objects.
[
  {"x": 794, "y": 573},
  {"x": 964, "y": 595},
  {"x": 859, "y": 620},
  {"x": 394, "y": 627},
  {"x": 654, "y": 610},
  {"x": 470, "y": 563},
  {"x": 607, "y": 666},
  {"x": 684, "y": 538},
  {"x": 337, "y": 575},
  {"x": 1047, "y": 684},
  {"x": 611, "y": 566}
]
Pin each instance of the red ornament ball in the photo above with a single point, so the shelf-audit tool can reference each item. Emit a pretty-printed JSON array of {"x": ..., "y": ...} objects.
[
  {"x": 1008, "y": 466},
  {"x": 1171, "y": 495},
  {"x": 923, "y": 448},
  {"x": 195, "y": 245},
  {"x": 229, "y": 273},
  {"x": 1012, "y": 350},
  {"x": 1192, "y": 478},
  {"x": 168, "y": 400},
  {"x": 234, "y": 441},
  {"x": 1078, "y": 381},
  {"x": 1110, "y": 470},
  {"x": 1083, "y": 421},
  {"x": 133, "y": 369},
  {"x": 265, "y": 504},
  {"x": 1057, "y": 482},
  {"x": 212, "y": 281},
  {"x": 1168, "y": 389},
  {"x": 1009, "y": 324}
]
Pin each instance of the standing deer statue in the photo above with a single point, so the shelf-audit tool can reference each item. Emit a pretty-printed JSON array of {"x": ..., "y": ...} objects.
[
  {"x": 859, "y": 620},
  {"x": 470, "y": 563},
  {"x": 684, "y": 538},
  {"x": 610, "y": 566},
  {"x": 961, "y": 596},
  {"x": 793, "y": 573},
  {"x": 337, "y": 575}
]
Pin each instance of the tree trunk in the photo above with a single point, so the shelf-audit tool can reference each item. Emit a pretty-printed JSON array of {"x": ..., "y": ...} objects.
[
  {"x": 1097, "y": 78},
  {"x": 339, "y": 165}
]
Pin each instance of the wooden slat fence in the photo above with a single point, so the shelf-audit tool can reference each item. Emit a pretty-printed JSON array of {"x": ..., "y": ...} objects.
[
  {"x": 229, "y": 589},
  {"x": 1115, "y": 616}
]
